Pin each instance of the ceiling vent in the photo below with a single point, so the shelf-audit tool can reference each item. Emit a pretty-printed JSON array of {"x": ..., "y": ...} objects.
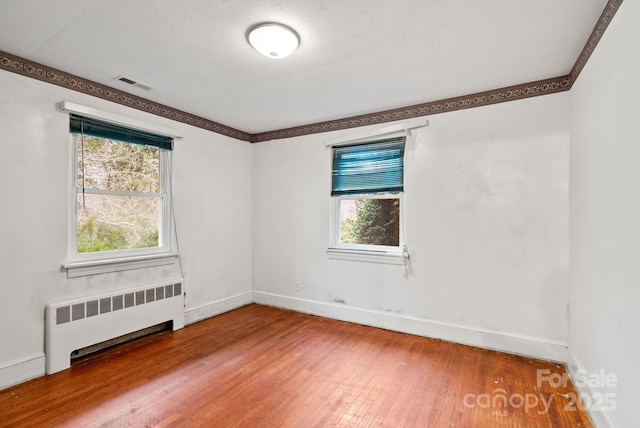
[{"x": 133, "y": 83}]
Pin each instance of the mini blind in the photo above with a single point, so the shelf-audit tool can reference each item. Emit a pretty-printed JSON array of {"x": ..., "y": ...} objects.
[
  {"x": 97, "y": 128},
  {"x": 372, "y": 167}
]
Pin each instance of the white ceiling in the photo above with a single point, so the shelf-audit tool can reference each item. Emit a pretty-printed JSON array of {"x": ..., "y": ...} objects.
[{"x": 355, "y": 57}]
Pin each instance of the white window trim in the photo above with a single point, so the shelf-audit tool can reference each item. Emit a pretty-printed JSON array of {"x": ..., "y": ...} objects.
[
  {"x": 400, "y": 129},
  {"x": 373, "y": 253},
  {"x": 364, "y": 253},
  {"x": 117, "y": 119},
  {"x": 115, "y": 261},
  {"x": 93, "y": 267},
  {"x": 384, "y": 257}
]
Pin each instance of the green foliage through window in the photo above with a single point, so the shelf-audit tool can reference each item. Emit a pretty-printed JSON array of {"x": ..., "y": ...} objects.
[
  {"x": 119, "y": 199},
  {"x": 370, "y": 221}
]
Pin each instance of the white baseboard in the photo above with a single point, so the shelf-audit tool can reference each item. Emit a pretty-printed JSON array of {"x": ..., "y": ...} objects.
[
  {"x": 488, "y": 339},
  {"x": 601, "y": 419},
  {"x": 15, "y": 372},
  {"x": 217, "y": 307}
]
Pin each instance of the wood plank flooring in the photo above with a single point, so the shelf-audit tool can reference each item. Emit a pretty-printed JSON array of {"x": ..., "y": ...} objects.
[{"x": 259, "y": 366}]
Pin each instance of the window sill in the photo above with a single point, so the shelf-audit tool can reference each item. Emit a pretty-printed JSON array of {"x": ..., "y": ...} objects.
[
  {"x": 385, "y": 257},
  {"x": 93, "y": 267}
]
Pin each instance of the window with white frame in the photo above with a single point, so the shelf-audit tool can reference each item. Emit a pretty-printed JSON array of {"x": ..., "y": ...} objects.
[
  {"x": 121, "y": 203},
  {"x": 366, "y": 190}
]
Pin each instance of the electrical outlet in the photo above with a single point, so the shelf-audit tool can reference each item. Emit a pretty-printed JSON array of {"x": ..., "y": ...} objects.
[{"x": 297, "y": 285}]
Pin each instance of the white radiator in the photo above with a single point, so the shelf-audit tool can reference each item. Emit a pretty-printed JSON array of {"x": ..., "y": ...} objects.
[{"x": 78, "y": 323}]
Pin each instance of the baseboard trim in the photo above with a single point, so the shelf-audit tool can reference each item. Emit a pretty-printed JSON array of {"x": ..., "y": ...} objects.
[
  {"x": 15, "y": 372},
  {"x": 482, "y": 338},
  {"x": 600, "y": 419},
  {"x": 217, "y": 307},
  {"x": 19, "y": 371}
]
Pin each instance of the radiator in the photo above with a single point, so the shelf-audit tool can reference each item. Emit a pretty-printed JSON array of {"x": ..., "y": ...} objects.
[{"x": 78, "y": 323}]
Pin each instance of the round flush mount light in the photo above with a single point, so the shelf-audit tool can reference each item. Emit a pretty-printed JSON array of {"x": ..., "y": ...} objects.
[{"x": 273, "y": 40}]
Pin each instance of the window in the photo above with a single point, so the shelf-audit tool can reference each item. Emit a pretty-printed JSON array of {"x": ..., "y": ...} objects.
[
  {"x": 367, "y": 186},
  {"x": 121, "y": 204}
]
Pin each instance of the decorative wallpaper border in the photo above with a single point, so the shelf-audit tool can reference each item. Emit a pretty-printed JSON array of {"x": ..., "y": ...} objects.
[
  {"x": 66, "y": 80},
  {"x": 61, "y": 78},
  {"x": 603, "y": 22},
  {"x": 511, "y": 93}
]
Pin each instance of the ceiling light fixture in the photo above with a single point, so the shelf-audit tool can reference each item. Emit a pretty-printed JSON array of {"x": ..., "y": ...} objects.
[{"x": 273, "y": 40}]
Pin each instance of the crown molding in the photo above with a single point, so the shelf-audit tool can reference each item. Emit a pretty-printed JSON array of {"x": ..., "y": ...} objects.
[
  {"x": 603, "y": 22},
  {"x": 510, "y": 93},
  {"x": 61, "y": 78},
  {"x": 66, "y": 80}
]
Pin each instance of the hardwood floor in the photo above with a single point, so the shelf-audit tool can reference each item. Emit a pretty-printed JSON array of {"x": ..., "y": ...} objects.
[{"x": 259, "y": 366}]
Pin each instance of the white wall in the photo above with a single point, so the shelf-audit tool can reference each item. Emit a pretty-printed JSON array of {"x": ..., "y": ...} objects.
[
  {"x": 213, "y": 218},
  {"x": 605, "y": 211},
  {"x": 486, "y": 211},
  {"x": 487, "y": 228},
  {"x": 487, "y": 224}
]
